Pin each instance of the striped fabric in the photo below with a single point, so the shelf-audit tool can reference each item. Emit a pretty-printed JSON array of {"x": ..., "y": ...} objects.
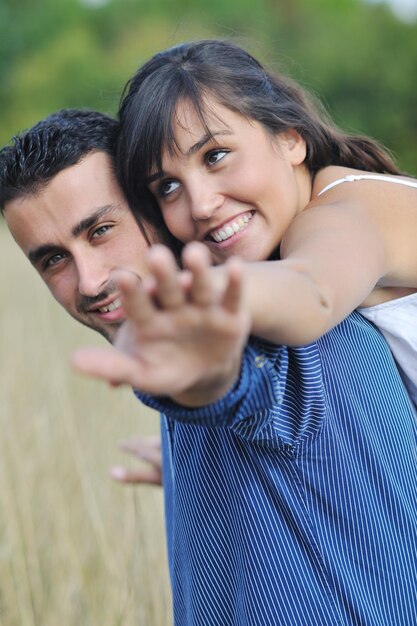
[{"x": 292, "y": 500}]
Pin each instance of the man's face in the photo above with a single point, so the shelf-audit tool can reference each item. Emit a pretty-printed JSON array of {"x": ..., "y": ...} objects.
[{"x": 75, "y": 231}]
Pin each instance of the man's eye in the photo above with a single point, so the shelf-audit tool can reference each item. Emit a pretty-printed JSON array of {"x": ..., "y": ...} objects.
[
  {"x": 168, "y": 187},
  {"x": 214, "y": 156},
  {"x": 100, "y": 231},
  {"x": 54, "y": 259}
]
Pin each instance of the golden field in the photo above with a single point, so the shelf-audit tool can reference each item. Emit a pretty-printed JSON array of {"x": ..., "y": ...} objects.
[{"x": 76, "y": 548}]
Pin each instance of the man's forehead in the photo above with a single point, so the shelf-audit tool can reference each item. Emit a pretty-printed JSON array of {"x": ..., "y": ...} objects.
[{"x": 92, "y": 178}]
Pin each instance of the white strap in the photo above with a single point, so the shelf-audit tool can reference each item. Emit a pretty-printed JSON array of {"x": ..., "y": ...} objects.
[{"x": 352, "y": 177}]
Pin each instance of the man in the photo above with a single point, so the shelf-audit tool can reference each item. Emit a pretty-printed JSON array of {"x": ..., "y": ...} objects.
[{"x": 65, "y": 209}]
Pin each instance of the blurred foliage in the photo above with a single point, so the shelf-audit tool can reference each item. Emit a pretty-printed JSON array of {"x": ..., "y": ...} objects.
[{"x": 359, "y": 59}]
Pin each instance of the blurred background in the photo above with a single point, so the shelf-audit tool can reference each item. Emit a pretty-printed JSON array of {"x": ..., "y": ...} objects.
[
  {"x": 359, "y": 55},
  {"x": 75, "y": 548}
]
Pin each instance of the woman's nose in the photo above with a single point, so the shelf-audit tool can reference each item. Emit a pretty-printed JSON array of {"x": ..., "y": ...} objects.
[{"x": 205, "y": 201}]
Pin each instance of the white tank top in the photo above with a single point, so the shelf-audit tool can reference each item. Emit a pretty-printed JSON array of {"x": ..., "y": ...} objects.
[
  {"x": 396, "y": 319},
  {"x": 353, "y": 177}
]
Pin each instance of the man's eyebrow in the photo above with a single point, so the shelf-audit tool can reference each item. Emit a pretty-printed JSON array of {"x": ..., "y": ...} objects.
[
  {"x": 194, "y": 148},
  {"x": 92, "y": 219},
  {"x": 38, "y": 253}
]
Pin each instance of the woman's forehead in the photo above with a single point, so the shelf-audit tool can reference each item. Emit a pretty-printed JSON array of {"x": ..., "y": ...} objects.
[{"x": 208, "y": 115}]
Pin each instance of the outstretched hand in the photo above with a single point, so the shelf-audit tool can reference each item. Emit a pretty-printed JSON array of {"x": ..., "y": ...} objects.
[{"x": 182, "y": 338}]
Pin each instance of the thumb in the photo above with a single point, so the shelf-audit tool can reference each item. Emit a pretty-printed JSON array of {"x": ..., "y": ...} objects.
[{"x": 107, "y": 364}]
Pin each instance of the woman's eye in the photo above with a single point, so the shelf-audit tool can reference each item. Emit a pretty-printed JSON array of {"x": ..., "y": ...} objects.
[
  {"x": 214, "y": 156},
  {"x": 167, "y": 187}
]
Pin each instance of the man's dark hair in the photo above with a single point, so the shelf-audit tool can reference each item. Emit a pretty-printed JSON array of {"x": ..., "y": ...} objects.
[{"x": 60, "y": 140}]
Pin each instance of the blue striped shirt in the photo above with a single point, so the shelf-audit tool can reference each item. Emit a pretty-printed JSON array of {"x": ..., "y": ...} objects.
[{"x": 292, "y": 499}]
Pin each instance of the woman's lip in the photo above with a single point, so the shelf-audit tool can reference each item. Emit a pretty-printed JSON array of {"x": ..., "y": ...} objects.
[
  {"x": 229, "y": 228},
  {"x": 228, "y": 244}
]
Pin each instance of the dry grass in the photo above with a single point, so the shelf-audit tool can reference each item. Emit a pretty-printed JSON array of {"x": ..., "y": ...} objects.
[{"x": 75, "y": 548}]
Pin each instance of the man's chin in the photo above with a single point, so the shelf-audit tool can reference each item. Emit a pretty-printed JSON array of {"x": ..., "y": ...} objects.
[{"x": 108, "y": 331}]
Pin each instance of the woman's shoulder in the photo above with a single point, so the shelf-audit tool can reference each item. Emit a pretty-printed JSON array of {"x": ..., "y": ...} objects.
[
  {"x": 328, "y": 175},
  {"x": 332, "y": 177},
  {"x": 384, "y": 206}
]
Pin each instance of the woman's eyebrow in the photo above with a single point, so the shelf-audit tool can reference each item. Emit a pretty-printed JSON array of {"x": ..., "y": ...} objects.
[
  {"x": 192, "y": 150},
  {"x": 205, "y": 139}
]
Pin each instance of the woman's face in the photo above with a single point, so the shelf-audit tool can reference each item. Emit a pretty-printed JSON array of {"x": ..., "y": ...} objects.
[{"x": 236, "y": 189}]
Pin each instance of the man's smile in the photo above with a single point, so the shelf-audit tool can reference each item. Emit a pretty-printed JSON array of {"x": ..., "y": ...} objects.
[{"x": 110, "y": 307}]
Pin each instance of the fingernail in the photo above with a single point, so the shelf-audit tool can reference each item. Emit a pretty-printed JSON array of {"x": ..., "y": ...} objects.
[{"x": 118, "y": 473}]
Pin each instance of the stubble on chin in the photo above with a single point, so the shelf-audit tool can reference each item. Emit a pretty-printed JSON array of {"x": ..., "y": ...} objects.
[{"x": 109, "y": 333}]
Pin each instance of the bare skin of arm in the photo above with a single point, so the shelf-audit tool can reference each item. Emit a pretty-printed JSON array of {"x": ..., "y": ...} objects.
[{"x": 348, "y": 249}]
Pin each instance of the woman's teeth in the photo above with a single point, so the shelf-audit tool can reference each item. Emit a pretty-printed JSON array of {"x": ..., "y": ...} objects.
[
  {"x": 110, "y": 307},
  {"x": 231, "y": 228}
]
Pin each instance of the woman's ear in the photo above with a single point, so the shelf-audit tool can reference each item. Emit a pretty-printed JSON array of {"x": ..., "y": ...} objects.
[{"x": 294, "y": 146}]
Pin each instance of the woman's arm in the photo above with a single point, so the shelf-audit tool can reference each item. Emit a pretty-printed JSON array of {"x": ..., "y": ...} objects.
[{"x": 333, "y": 257}]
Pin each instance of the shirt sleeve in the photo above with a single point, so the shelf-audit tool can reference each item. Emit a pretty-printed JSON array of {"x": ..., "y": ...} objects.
[
  {"x": 259, "y": 387},
  {"x": 278, "y": 400}
]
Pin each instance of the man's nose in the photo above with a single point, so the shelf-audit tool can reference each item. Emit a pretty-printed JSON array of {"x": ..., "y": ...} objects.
[{"x": 93, "y": 274}]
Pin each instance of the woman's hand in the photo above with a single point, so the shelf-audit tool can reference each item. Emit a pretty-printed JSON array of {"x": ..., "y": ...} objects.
[{"x": 181, "y": 338}]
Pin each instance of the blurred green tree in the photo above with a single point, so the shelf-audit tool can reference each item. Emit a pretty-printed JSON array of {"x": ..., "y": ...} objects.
[{"x": 356, "y": 55}]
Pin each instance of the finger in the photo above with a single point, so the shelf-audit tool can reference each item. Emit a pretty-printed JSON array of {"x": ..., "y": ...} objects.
[
  {"x": 139, "y": 476},
  {"x": 233, "y": 293},
  {"x": 149, "y": 285},
  {"x": 107, "y": 364},
  {"x": 136, "y": 302},
  {"x": 186, "y": 280},
  {"x": 196, "y": 258},
  {"x": 168, "y": 290},
  {"x": 145, "y": 448}
]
